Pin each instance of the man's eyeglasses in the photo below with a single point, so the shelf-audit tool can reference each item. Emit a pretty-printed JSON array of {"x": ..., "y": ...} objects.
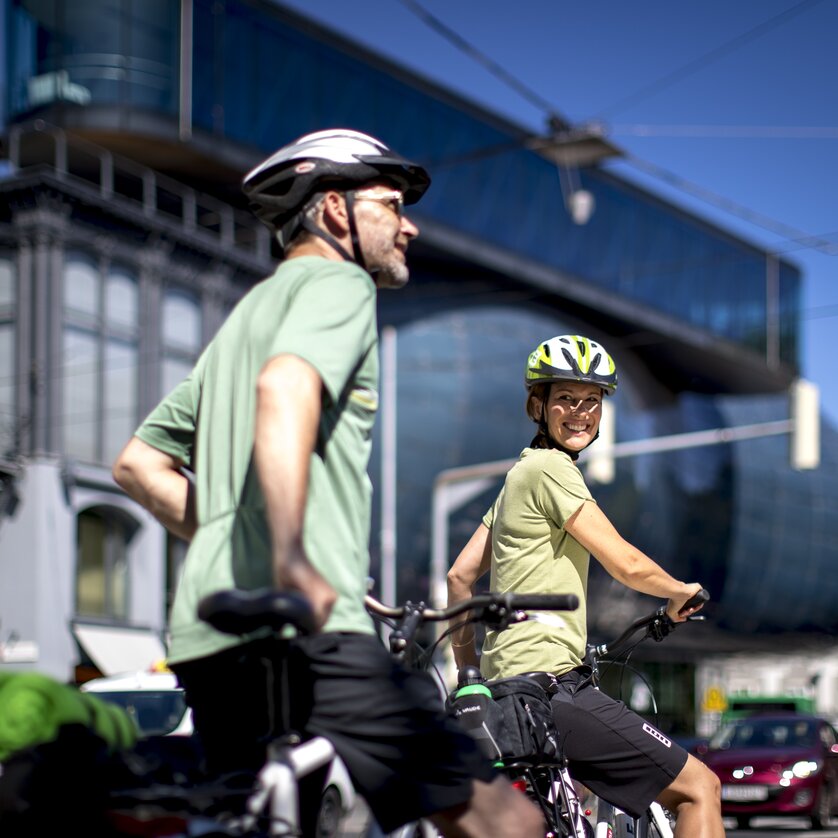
[{"x": 394, "y": 200}]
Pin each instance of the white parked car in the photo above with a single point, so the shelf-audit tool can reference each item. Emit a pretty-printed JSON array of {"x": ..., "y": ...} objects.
[{"x": 156, "y": 704}]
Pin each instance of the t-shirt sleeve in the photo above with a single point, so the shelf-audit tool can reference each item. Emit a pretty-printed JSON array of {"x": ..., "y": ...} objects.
[
  {"x": 489, "y": 517},
  {"x": 331, "y": 323},
  {"x": 170, "y": 427},
  {"x": 562, "y": 490}
]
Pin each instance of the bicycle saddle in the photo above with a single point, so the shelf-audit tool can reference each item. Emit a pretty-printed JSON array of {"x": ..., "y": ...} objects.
[{"x": 244, "y": 612}]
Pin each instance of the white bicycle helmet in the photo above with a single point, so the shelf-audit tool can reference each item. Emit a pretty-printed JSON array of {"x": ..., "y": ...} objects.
[
  {"x": 571, "y": 358},
  {"x": 280, "y": 188}
]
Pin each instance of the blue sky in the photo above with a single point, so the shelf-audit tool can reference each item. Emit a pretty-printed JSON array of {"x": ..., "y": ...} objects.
[{"x": 737, "y": 99}]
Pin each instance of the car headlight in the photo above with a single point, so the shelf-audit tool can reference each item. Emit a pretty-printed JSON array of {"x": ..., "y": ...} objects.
[{"x": 801, "y": 770}]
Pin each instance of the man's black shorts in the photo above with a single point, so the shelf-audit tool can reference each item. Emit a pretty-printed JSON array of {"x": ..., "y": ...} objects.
[
  {"x": 614, "y": 752},
  {"x": 405, "y": 755}
]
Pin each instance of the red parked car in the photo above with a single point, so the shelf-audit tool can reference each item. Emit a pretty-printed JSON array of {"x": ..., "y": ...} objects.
[{"x": 776, "y": 765}]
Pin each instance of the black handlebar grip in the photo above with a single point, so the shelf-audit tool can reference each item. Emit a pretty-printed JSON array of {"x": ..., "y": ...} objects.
[
  {"x": 696, "y": 599},
  {"x": 543, "y": 602}
]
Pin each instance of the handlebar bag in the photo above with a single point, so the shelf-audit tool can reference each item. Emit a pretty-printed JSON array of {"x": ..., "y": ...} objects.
[{"x": 526, "y": 731}]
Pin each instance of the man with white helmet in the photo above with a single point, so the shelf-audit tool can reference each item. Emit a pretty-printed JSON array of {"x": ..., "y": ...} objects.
[
  {"x": 538, "y": 537},
  {"x": 275, "y": 421}
]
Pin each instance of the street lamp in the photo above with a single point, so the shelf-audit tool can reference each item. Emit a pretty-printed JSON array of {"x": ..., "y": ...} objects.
[{"x": 572, "y": 147}]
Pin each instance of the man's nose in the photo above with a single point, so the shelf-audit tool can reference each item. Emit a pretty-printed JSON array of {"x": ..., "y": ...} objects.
[{"x": 409, "y": 228}]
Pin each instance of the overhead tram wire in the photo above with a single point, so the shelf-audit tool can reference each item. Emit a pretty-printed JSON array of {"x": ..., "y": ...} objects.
[
  {"x": 799, "y": 238},
  {"x": 481, "y": 58},
  {"x": 556, "y": 121},
  {"x": 702, "y": 61}
]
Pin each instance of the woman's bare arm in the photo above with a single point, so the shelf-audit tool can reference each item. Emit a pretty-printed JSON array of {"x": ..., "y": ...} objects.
[
  {"x": 592, "y": 529},
  {"x": 472, "y": 563}
]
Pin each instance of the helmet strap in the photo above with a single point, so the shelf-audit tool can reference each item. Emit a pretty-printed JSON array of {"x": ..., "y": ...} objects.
[
  {"x": 349, "y": 197},
  {"x": 353, "y": 232},
  {"x": 310, "y": 227}
]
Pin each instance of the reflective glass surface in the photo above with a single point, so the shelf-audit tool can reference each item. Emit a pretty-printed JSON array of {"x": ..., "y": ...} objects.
[
  {"x": 484, "y": 183},
  {"x": 283, "y": 82},
  {"x": 94, "y": 52}
]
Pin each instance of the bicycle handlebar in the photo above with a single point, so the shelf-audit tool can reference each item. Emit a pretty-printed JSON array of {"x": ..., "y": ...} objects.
[
  {"x": 657, "y": 625},
  {"x": 495, "y": 609},
  {"x": 484, "y": 603}
]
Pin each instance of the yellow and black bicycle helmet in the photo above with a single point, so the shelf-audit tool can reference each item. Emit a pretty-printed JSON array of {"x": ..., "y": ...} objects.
[{"x": 571, "y": 358}]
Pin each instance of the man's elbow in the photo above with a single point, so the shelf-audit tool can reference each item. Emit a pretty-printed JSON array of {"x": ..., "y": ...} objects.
[{"x": 125, "y": 468}]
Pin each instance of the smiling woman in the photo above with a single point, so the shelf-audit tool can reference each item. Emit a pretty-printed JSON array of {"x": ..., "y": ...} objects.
[{"x": 538, "y": 537}]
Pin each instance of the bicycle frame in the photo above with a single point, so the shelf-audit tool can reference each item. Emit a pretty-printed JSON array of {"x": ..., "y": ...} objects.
[{"x": 275, "y": 796}]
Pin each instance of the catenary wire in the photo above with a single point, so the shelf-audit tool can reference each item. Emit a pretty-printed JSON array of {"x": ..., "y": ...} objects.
[{"x": 702, "y": 61}]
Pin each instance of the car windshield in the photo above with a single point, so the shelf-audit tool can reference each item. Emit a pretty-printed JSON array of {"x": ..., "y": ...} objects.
[
  {"x": 155, "y": 712},
  {"x": 765, "y": 733}
]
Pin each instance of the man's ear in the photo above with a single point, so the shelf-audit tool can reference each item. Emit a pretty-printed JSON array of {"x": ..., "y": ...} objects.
[{"x": 335, "y": 213}]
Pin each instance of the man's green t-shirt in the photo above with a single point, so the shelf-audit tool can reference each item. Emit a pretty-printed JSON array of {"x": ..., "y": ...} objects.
[
  {"x": 324, "y": 312},
  {"x": 532, "y": 553}
]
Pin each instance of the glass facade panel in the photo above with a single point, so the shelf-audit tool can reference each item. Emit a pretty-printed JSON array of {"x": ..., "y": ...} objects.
[
  {"x": 633, "y": 244},
  {"x": 80, "y": 373},
  {"x": 121, "y": 299},
  {"x": 172, "y": 372},
  {"x": 90, "y": 569},
  {"x": 94, "y": 52},
  {"x": 181, "y": 322},
  {"x": 182, "y": 330},
  {"x": 8, "y": 287},
  {"x": 101, "y": 358},
  {"x": 102, "y": 564},
  {"x": 120, "y": 396},
  {"x": 82, "y": 287}
]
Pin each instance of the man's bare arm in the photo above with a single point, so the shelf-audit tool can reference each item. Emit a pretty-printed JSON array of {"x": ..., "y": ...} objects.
[
  {"x": 155, "y": 481},
  {"x": 288, "y": 404}
]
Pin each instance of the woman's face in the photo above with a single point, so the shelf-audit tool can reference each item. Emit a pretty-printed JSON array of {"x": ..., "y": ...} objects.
[{"x": 573, "y": 412}]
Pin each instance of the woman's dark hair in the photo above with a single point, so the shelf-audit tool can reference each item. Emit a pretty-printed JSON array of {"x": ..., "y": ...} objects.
[{"x": 536, "y": 399}]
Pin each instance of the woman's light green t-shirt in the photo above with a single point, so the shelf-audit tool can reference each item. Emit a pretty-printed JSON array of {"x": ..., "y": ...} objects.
[{"x": 532, "y": 553}]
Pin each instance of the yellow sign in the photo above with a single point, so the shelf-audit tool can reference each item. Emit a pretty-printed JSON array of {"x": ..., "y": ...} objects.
[{"x": 714, "y": 701}]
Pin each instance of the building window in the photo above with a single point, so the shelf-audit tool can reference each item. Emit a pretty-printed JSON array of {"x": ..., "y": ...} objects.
[
  {"x": 8, "y": 361},
  {"x": 181, "y": 336},
  {"x": 102, "y": 538},
  {"x": 100, "y": 367}
]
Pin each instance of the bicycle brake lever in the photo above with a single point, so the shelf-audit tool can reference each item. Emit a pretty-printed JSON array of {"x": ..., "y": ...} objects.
[
  {"x": 660, "y": 627},
  {"x": 499, "y": 617}
]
